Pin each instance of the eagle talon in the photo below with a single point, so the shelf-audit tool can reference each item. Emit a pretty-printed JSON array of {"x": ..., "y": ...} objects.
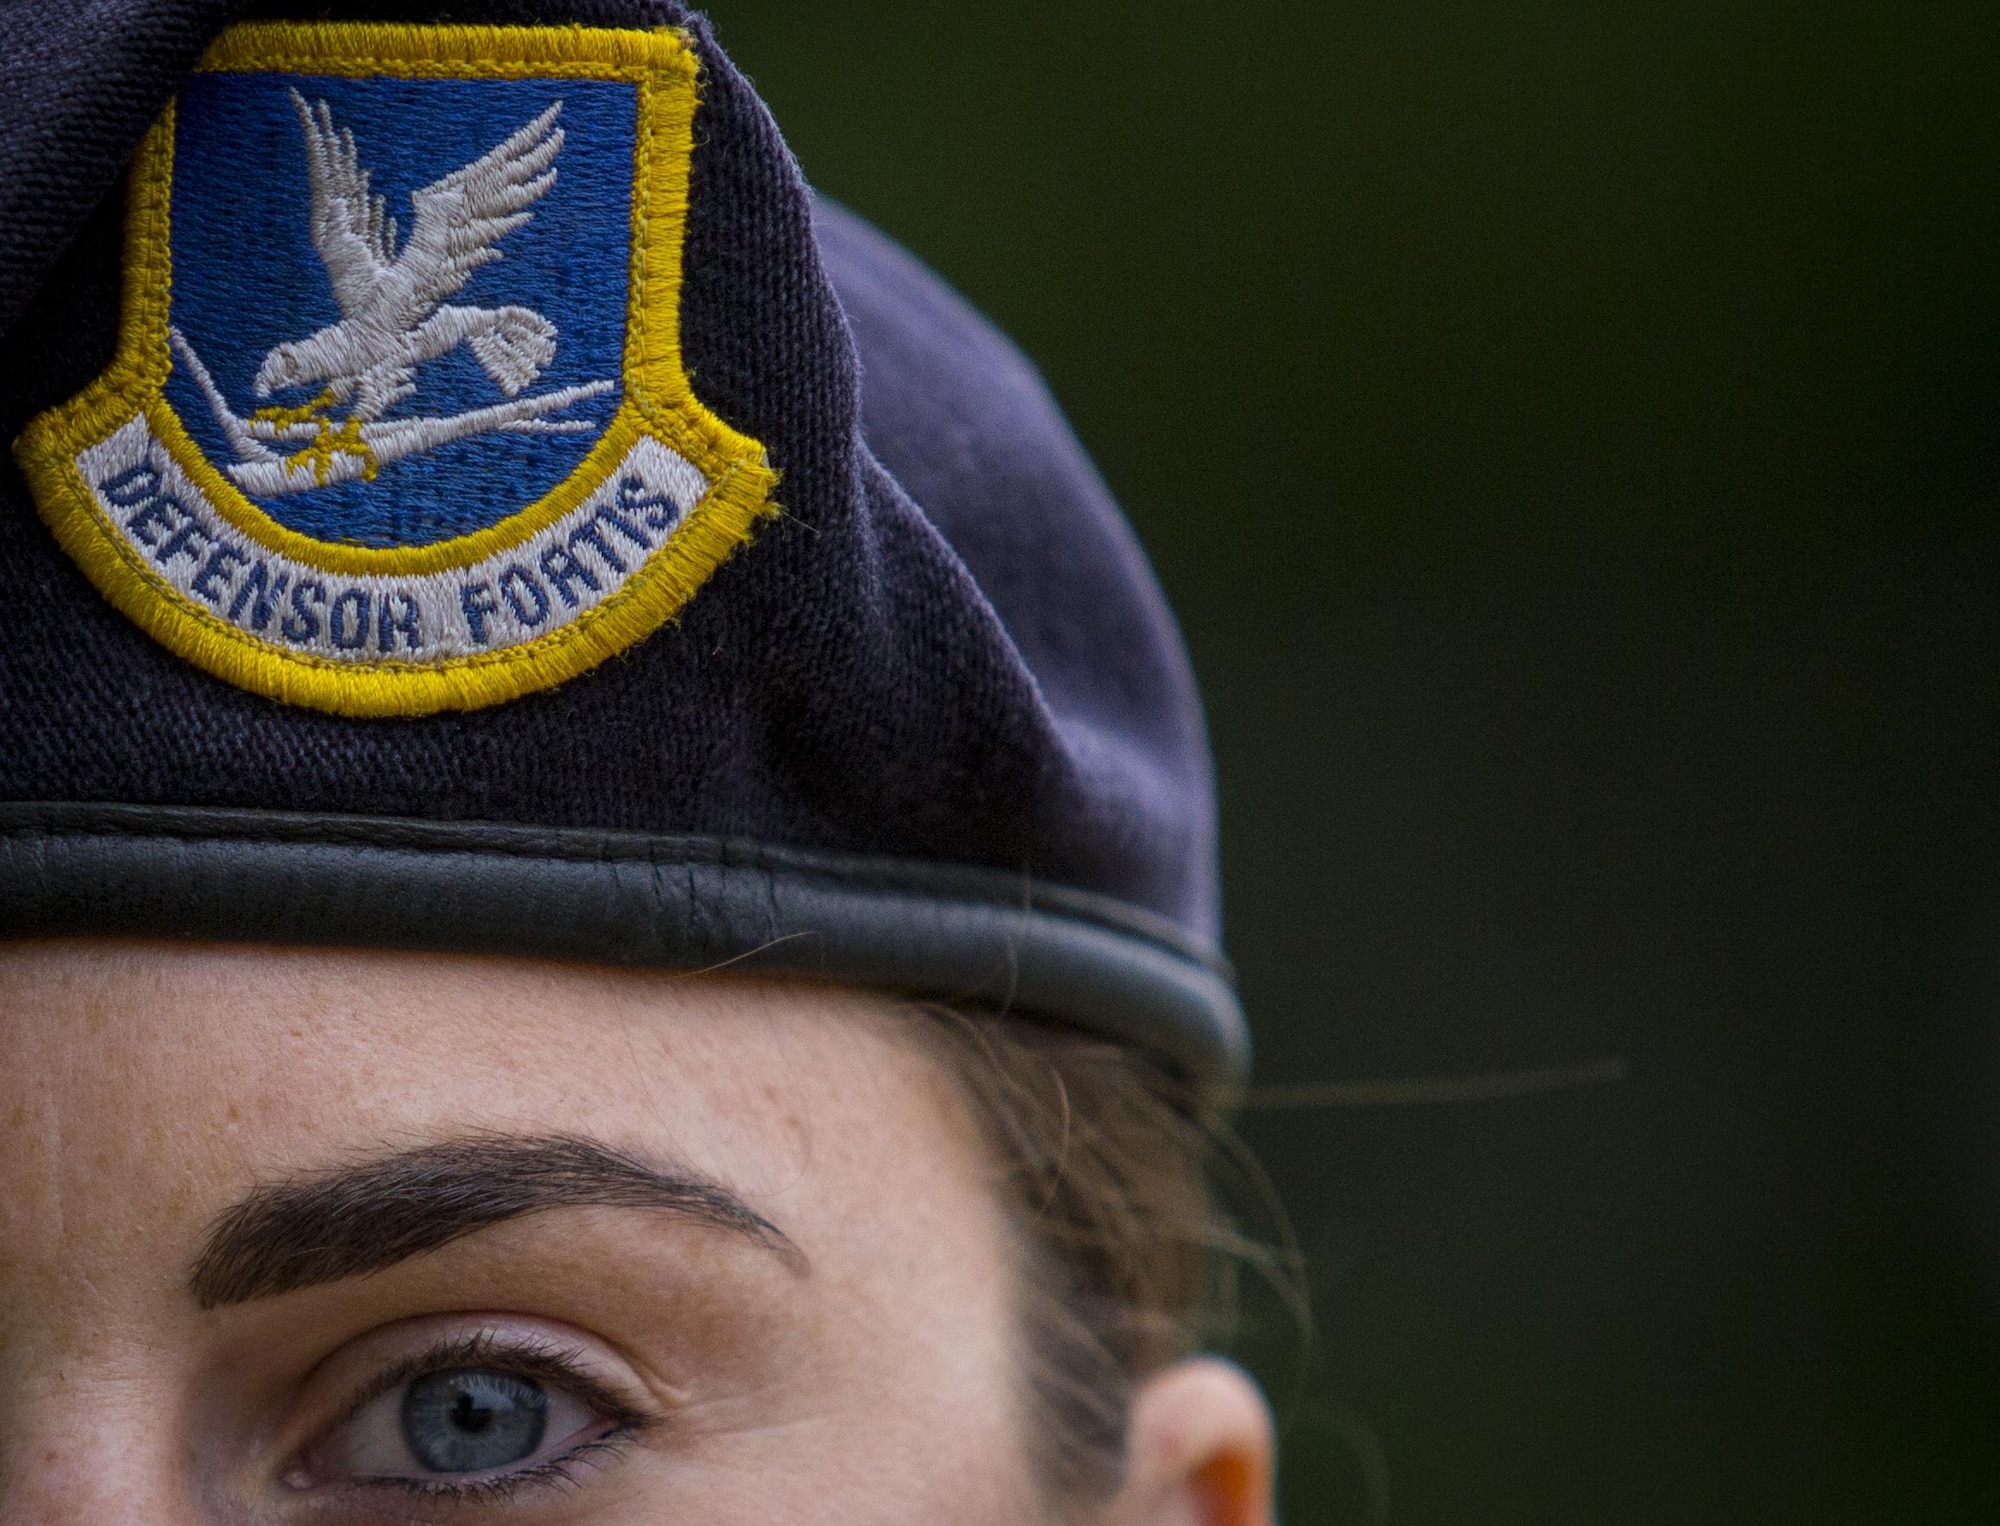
[
  {"x": 342, "y": 440},
  {"x": 280, "y": 417}
]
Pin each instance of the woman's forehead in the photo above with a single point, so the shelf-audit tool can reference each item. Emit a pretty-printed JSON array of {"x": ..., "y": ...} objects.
[{"x": 264, "y": 1063}]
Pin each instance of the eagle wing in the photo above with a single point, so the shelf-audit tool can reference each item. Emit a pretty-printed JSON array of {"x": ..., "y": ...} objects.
[
  {"x": 355, "y": 240},
  {"x": 463, "y": 216}
]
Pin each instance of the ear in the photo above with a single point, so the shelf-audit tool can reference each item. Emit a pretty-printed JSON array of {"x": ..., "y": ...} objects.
[{"x": 1199, "y": 1450}]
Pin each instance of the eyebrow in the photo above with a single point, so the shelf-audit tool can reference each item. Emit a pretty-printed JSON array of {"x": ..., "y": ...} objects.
[{"x": 361, "y": 1219}]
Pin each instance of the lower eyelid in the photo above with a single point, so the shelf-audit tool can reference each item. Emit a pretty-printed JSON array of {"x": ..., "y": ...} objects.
[{"x": 560, "y": 1471}]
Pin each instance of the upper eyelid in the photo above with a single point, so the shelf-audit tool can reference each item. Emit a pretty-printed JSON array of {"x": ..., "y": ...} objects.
[{"x": 483, "y": 1349}]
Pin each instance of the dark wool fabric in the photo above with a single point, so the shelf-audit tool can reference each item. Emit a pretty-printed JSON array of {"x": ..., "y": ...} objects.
[{"x": 948, "y": 652}]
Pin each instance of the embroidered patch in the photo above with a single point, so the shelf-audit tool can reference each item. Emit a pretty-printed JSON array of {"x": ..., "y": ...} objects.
[{"x": 398, "y": 421}]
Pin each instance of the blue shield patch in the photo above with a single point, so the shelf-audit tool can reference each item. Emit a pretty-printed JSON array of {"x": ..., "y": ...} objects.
[{"x": 399, "y": 421}]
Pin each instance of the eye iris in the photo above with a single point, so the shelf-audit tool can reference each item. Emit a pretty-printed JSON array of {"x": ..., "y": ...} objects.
[{"x": 468, "y": 1421}]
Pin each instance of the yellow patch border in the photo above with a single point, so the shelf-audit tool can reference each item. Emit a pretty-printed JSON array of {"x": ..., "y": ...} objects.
[{"x": 658, "y": 397}]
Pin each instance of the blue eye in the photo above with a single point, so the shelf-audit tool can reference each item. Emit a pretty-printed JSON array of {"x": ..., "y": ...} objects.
[
  {"x": 466, "y": 1421},
  {"x": 472, "y": 1421}
]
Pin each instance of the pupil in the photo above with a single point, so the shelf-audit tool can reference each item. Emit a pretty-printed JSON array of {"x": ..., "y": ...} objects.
[
  {"x": 468, "y": 1414},
  {"x": 471, "y": 1415},
  {"x": 471, "y": 1420}
]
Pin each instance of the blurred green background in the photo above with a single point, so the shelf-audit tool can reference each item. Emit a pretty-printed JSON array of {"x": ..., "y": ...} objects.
[{"x": 1569, "y": 433}]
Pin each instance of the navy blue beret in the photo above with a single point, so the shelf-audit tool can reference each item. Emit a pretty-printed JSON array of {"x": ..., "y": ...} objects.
[{"x": 467, "y": 495}]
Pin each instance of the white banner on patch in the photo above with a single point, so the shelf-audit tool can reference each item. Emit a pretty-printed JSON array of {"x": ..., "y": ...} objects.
[{"x": 513, "y": 596}]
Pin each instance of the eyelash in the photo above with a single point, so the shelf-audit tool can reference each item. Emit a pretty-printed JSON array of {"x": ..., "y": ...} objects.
[
  {"x": 555, "y": 1474},
  {"x": 545, "y": 1363}
]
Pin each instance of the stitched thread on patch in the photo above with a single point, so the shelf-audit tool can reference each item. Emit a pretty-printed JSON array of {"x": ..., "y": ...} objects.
[{"x": 366, "y": 463}]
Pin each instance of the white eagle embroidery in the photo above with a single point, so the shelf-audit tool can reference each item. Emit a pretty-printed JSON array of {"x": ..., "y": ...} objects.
[
  {"x": 391, "y": 318},
  {"x": 395, "y": 318}
]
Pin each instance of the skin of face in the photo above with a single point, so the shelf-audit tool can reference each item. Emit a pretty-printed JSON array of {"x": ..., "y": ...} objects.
[{"x": 761, "y": 1274}]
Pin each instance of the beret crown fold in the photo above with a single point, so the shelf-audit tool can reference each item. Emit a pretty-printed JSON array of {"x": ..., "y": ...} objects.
[{"x": 932, "y": 728}]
